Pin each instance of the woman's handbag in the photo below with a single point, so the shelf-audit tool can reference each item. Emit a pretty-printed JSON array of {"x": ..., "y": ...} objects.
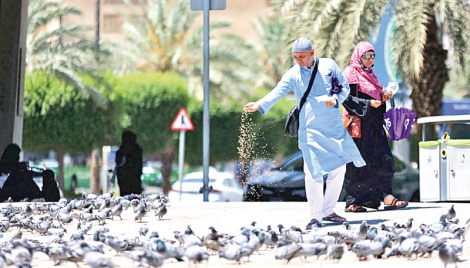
[
  {"x": 352, "y": 123},
  {"x": 292, "y": 120}
]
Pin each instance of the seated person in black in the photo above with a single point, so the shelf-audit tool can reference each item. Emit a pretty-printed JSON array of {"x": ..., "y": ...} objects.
[{"x": 19, "y": 185}]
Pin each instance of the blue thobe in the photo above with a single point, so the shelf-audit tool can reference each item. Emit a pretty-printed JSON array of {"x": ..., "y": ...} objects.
[{"x": 322, "y": 138}]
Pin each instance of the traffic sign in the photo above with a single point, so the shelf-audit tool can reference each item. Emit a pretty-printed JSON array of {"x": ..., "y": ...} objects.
[
  {"x": 182, "y": 121},
  {"x": 213, "y": 4}
]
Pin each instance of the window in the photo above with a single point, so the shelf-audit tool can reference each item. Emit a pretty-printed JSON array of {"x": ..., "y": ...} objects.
[{"x": 112, "y": 23}]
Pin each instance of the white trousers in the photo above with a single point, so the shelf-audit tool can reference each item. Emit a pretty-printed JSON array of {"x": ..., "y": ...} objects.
[{"x": 320, "y": 205}]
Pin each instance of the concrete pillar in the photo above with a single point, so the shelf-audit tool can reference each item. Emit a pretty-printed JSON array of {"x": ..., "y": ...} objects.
[{"x": 13, "y": 31}]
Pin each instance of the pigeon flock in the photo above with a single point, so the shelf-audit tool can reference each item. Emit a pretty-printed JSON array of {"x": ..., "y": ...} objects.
[{"x": 80, "y": 231}]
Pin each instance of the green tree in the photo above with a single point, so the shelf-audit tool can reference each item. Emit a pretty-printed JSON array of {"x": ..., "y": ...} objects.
[
  {"x": 60, "y": 49},
  {"x": 163, "y": 38},
  {"x": 275, "y": 56},
  {"x": 150, "y": 102},
  {"x": 58, "y": 117},
  {"x": 417, "y": 43}
]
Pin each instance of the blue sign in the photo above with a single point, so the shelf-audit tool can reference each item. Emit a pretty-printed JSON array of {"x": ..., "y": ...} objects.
[{"x": 456, "y": 107}]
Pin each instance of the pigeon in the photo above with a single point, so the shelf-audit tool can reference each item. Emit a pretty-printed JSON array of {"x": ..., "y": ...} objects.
[
  {"x": 143, "y": 230},
  {"x": 161, "y": 211},
  {"x": 427, "y": 244},
  {"x": 362, "y": 249},
  {"x": 231, "y": 251},
  {"x": 315, "y": 249},
  {"x": 377, "y": 248},
  {"x": 140, "y": 213},
  {"x": 448, "y": 254},
  {"x": 168, "y": 250},
  {"x": 408, "y": 246},
  {"x": 116, "y": 211},
  {"x": 118, "y": 245},
  {"x": 335, "y": 252},
  {"x": 212, "y": 241},
  {"x": 287, "y": 252},
  {"x": 97, "y": 259},
  {"x": 270, "y": 239},
  {"x": 55, "y": 251},
  {"x": 451, "y": 213},
  {"x": 21, "y": 254},
  {"x": 196, "y": 253}
]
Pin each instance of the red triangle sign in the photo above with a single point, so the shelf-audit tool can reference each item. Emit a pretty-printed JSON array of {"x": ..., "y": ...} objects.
[{"x": 182, "y": 121}]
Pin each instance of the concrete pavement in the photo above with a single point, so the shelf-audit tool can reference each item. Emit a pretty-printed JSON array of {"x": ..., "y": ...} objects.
[{"x": 230, "y": 217}]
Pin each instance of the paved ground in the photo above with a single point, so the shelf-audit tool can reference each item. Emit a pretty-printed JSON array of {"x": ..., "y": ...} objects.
[{"x": 230, "y": 217}]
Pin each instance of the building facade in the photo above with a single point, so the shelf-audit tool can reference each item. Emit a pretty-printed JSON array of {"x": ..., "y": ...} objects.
[{"x": 242, "y": 14}]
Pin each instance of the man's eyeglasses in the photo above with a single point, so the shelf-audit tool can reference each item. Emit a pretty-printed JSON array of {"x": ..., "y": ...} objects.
[{"x": 368, "y": 56}]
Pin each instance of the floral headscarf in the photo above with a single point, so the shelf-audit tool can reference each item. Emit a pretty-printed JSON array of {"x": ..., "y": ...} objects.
[{"x": 356, "y": 73}]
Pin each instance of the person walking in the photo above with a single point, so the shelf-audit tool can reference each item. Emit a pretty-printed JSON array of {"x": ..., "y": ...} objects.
[
  {"x": 366, "y": 186},
  {"x": 129, "y": 158},
  {"x": 325, "y": 144}
]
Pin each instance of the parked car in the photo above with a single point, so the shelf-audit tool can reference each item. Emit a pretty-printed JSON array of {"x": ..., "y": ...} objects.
[
  {"x": 225, "y": 187},
  {"x": 286, "y": 182},
  {"x": 151, "y": 176}
]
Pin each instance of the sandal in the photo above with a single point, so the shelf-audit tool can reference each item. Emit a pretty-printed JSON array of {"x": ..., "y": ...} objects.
[
  {"x": 334, "y": 218},
  {"x": 313, "y": 223},
  {"x": 355, "y": 208},
  {"x": 396, "y": 204}
]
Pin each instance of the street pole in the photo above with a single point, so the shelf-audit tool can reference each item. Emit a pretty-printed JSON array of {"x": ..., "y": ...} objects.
[
  {"x": 206, "y": 113},
  {"x": 206, "y": 6},
  {"x": 181, "y": 159}
]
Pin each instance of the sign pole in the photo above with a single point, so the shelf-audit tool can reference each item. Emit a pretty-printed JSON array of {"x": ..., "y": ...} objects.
[
  {"x": 206, "y": 114},
  {"x": 181, "y": 123},
  {"x": 206, "y": 6},
  {"x": 181, "y": 159}
]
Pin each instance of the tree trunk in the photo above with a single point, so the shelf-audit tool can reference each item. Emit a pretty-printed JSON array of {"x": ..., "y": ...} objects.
[
  {"x": 167, "y": 160},
  {"x": 61, "y": 170},
  {"x": 428, "y": 88},
  {"x": 95, "y": 172}
]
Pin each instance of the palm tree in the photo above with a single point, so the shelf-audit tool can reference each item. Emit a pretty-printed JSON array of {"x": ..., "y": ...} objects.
[
  {"x": 418, "y": 41},
  {"x": 275, "y": 58},
  {"x": 63, "y": 50},
  {"x": 163, "y": 38}
]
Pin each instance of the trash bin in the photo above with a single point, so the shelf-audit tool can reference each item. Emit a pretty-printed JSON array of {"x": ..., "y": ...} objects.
[
  {"x": 458, "y": 169},
  {"x": 429, "y": 161},
  {"x": 444, "y": 173}
]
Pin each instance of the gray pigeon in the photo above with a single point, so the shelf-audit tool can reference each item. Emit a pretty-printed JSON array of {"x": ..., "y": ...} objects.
[
  {"x": 451, "y": 213},
  {"x": 231, "y": 251},
  {"x": 448, "y": 254},
  {"x": 161, "y": 211},
  {"x": 408, "y": 247},
  {"x": 196, "y": 253},
  {"x": 140, "y": 213},
  {"x": 315, "y": 249},
  {"x": 97, "y": 259},
  {"x": 116, "y": 211},
  {"x": 362, "y": 249},
  {"x": 377, "y": 248},
  {"x": 335, "y": 252},
  {"x": 287, "y": 252},
  {"x": 118, "y": 245}
]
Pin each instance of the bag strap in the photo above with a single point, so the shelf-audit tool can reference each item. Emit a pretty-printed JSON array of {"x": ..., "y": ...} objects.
[{"x": 310, "y": 83}]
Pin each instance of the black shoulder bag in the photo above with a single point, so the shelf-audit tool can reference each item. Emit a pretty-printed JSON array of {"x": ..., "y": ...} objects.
[{"x": 292, "y": 120}]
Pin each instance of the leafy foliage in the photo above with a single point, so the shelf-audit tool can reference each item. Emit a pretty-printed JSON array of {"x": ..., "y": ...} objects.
[
  {"x": 150, "y": 102},
  {"x": 162, "y": 39},
  {"x": 63, "y": 50}
]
